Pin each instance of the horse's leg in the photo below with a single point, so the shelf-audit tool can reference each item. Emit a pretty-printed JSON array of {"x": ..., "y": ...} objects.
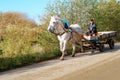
[
  {"x": 63, "y": 48},
  {"x": 80, "y": 40},
  {"x": 81, "y": 46},
  {"x": 73, "y": 52},
  {"x": 61, "y": 45}
]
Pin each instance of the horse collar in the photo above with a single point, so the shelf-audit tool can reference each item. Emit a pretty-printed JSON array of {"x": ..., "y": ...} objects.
[{"x": 60, "y": 34}]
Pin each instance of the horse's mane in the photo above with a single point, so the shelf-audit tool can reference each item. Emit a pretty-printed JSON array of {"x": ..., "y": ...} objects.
[{"x": 61, "y": 24}]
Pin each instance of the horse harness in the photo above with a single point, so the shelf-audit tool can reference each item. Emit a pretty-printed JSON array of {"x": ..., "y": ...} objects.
[{"x": 64, "y": 30}]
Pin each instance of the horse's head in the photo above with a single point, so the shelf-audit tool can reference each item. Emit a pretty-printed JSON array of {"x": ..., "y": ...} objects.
[{"x": 55, "y": 25}]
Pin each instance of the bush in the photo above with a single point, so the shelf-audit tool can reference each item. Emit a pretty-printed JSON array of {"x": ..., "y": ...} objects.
[{"x": 22, "y": 46}]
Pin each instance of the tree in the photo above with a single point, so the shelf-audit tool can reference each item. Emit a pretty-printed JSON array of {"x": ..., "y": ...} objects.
[
  {"x": 105, "y": 13},
  {"x": 15, "y": 18},
  {"x": 76, "y": 11}
]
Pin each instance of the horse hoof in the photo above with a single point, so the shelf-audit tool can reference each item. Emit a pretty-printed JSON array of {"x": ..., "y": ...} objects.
[
  {"x": 73, "y": 55},
  {"x": 61, "y": 58}
]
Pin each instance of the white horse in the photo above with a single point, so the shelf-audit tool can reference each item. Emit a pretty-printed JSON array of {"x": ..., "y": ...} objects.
[{"x": 57, "y": 26}]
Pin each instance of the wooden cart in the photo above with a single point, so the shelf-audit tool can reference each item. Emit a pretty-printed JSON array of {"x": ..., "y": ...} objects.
[{"x": 101, "y": 39}]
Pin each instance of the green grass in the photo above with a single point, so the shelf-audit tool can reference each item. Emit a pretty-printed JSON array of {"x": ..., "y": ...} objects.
[{"x": 26, "y": 59}]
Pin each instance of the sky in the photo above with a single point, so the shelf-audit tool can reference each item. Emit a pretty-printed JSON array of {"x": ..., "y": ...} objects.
[{"x": 32, "y": 8}]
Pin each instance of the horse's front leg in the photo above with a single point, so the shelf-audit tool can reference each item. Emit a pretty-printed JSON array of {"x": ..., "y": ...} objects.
[
  {"x": 73, "y": 51},
  {"x": 63, "y": 48}
]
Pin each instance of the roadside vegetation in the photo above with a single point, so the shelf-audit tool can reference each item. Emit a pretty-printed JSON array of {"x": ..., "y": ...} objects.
[{"x": 23, "y": 42}]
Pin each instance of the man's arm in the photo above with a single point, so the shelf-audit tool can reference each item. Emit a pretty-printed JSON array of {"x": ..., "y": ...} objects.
[{"x": 94, "y": 28}]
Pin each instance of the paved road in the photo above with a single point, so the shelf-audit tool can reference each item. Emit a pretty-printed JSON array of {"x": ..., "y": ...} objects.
[
  {"x": 109, "y": 70},
  {"x": 58, "y": 70}
]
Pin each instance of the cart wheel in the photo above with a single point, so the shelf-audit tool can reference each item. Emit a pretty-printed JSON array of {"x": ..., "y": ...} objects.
[
  {"x": 101, "y": 47},
  {"x": 111, "y": 44}
]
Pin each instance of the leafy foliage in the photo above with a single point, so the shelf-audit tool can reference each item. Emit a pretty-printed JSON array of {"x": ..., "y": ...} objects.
[
  {"x": 24, "y": 43},
  {"x": 105, "y": 13}
]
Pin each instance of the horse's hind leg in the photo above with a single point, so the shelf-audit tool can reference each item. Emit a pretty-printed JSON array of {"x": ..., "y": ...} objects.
[
  {"x": 73, "y": 52},
  {"x": 81, "y": 46}
]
